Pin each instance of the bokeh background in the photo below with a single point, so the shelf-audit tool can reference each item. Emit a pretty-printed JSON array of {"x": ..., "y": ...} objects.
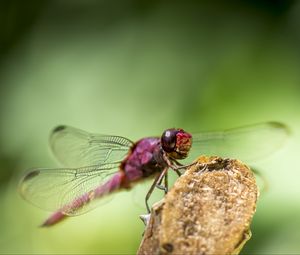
[{"x": 134, "y": 68}]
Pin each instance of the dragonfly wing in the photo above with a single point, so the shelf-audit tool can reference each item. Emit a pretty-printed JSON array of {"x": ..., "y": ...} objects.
[
  {"x": 70, "y": 190},
  {"x": 77, "y": 148},
  {"x": 248, "y": 143}
]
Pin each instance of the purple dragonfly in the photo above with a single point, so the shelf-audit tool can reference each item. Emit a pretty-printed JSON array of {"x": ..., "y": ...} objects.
[{"x": 97, "y": 165}]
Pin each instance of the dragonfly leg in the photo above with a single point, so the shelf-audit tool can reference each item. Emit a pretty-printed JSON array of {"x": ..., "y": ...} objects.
[
  {"x": 166, "y": 183},
  {"x": 177, "y": 172},
  {"x": 165, "y": 186},
  {"x": 177, "y": 167},
  {"x": 150, "y": 192},
  {"x": 157, "y": 180}
]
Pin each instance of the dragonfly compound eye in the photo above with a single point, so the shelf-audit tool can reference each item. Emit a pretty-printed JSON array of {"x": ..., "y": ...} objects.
[
  {"x": 168, "y": 140},
  {"x": 176, "y": 142}
]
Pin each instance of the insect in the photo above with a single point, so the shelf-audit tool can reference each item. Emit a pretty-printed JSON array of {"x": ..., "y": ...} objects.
[{"x": 95, "y": 165}]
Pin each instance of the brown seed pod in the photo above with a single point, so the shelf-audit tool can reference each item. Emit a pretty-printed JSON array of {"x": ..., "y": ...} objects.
[{"x": 208, "y": 211}]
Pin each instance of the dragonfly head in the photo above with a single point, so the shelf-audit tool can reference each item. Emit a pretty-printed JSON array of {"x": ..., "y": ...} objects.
[{"x": 176, "y": 142}]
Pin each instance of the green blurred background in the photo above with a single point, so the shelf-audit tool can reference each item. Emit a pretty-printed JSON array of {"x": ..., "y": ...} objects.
[{"x": 134, "y": 68}]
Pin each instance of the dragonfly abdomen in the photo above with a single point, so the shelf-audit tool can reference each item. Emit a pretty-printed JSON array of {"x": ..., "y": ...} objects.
[{"x": 113, "y": 184}]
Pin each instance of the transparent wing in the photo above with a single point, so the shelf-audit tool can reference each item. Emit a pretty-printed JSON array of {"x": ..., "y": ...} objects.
[
  {"x": 71, "y": 190},
  {"x": 247, "y": 143},
  {"x": 77, "y": 148}
]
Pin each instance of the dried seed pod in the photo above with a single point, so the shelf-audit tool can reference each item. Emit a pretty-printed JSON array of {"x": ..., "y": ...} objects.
[{"x": 208, "y": 211}]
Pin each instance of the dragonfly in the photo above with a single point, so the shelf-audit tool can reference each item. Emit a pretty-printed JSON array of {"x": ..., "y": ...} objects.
[{"x": 96, "y": 165}]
